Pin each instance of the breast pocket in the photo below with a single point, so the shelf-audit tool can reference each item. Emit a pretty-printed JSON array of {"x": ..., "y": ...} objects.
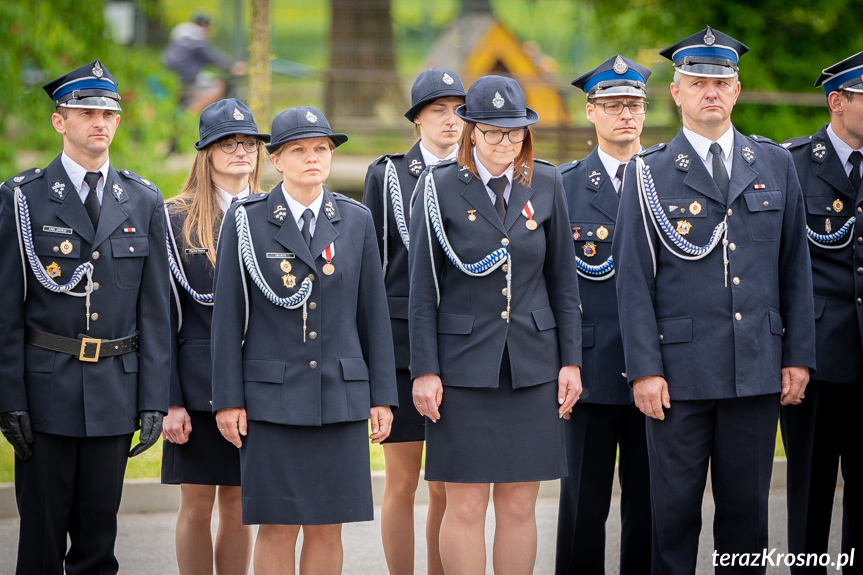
[
  {"x": 765, "y": 214},
  {"x": 129, "y": 253},
  {"x": 827, "y": 214}
]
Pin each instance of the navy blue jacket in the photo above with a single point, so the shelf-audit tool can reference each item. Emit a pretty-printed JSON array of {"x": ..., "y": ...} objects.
[
  {"x": 709, "y": 340},
  {"x": 837, "y": 275},
  {"x": 64, "y": 395},
  {"x": 463, "y": 338},
  {"x": 377, "y": 197},
  {"x": 345, "y": 366},
  {"x": 593, "y": 202}
]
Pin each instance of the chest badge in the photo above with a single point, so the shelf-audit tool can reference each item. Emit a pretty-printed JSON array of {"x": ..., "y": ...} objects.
[
  {"x": 289, "y": 280},
  {"x": 828, "y": 227},
  {"x": 575, "y": 233},
  {"x": 589, "y": 250},
  {"x": 285, "y": 266},
  {"x": 694, "y": 208},
  {"x": 602, "y": 232},
  {"x": 53, "y": 270},
  {"x": 838, "y": 205},
  {"x": 683, "y": 227},
  {"x": 471, "y": 215},
  {"x": 328, "y": 268},
  {"x": 66, "y": 248},
  {"x": 528, "y": 213}
]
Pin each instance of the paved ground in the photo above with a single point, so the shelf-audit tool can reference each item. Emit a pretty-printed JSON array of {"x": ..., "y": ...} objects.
[{"x": 145, "y": 544}]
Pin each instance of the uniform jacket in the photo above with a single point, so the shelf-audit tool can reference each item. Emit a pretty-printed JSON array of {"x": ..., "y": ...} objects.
[
  {"x": 377, "y": 197},
  {"x": 837, "y": 275},
  {"x": 463, "y": 338},
  {"x": 190, "y": 337},
  {"x": 345, "y": 366},
  {"x": 593, "y": 202},
  {"x": 710, "y": 341},
  {"x": 64, "y": 395}
]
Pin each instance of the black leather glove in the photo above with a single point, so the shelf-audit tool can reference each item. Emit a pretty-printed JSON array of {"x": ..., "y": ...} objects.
[
  {"x": 151, "y": 429},
  {"x": 15, "y": 426}
]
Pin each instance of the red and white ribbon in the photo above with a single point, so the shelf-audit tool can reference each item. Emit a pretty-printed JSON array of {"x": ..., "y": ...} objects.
[
  {"x": 329, "y": 252},
  {"x": 528, "y": 210}
]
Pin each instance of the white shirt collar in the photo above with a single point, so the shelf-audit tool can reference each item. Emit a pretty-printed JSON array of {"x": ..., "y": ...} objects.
[
  {"x": 485, "y": 176},
  {"x": 224, "y": 199},
  {"x": 843, "y": 150},
  {"x": 430, "y": 159},
  {"x": 609, "y": 162},
  {"x": 702, "y": 144},
  {"x": 297, "y": 208},
  {"x": 76, "y": 173}
]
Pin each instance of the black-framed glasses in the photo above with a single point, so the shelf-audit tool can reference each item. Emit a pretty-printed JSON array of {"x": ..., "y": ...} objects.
[
  {"x": 229, "y": 145},
  {"x": 616, "y": 108},
  {"x": 494, "y": 137}
]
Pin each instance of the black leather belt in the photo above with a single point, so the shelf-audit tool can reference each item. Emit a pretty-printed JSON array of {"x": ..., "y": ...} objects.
[{"x": 85, "y": 348}]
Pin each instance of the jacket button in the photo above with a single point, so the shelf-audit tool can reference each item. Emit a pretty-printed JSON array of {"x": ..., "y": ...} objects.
[
  {"x": 860, "y": 240},
  {"x": 732, "y": 246},
  {"x": 313, "y": 335},
  {"x": 313, "y": 364},
  {"x": 95, "y": 255},
  {"x": 95, "y": 286},
  {"x": 504, "y": 315},
  {"x": 504, "y": 242},
  {"x": 56, "y": 249},
  {"x": 313, "y": 305},
  {"x": 312, "y": 277},
  {"x": 503, "y": 291},
  {"x": 132, "y": 249},
  {"x": 730, "y": 212},
  {"x": 738, "y": 316},
  {"x": 766, "y": 204},
  {"x": 860, "y": 271},
  {"x": 661, "y": 337},
  {"x": 736, "y": 281},
  {"x": 859, "y": 210},
  {"x": 504, "y": 267},
  {"x": 859, "y": 301},
  {"x": 94, "y": 316}
]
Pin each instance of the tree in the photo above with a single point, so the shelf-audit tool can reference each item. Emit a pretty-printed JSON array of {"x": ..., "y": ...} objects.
[{"x": 259, "y": 62}]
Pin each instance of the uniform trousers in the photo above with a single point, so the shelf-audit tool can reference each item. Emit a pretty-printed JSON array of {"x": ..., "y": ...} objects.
[
  {"x": 821, "y": 436},
  {"x": 736, "y": 437},
  {"x": 593, "y": 435},
  {"x": 71, "y": 485}
]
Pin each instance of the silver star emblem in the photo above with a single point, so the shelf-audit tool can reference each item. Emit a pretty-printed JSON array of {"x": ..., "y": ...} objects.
[
  {"x": 238, "y": 115},
  {"x": 709, "y": 37},
  {"x": 311, "y": 118},
  {"x": 498, "y": 100},
  {"x": 620, "y": 66},
  {"x": 447, "y": 79}
]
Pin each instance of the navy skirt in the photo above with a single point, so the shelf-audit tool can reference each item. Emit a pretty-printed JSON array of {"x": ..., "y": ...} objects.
[
  {"x": 501, "y": 435},
  {"x": 206, "y": 459},
  {"x": 408, "y": 424},
  {"x": 303, "y": 475}
]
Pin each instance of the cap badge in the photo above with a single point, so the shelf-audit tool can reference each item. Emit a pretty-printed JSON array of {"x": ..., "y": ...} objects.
[
  {"x": 18, "y": 179},
  {"x": 447, "y": 79},
  {"x": 329, "y": 210},
  {"x": 682, "y": 162},
  {"x": 498, "y": 100},
  {"x": 683, "y": 227},
  {"x": 238, "y": 115},
  {"x": 595, "y": 178},
  {"x": 709, "y": 37},
  {"x": 620, "y": 66},
  {"x": 819, "y": 151},
  {"x": 311, "y": 118},
  {"x": 97, "y": 70},
  {"x": 280, "y": 213}
]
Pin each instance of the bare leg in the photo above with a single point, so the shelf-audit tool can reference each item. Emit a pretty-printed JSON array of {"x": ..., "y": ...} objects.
[
  {"x": 403, "y": 461},
  {"x": 462, "y": 530},
  {"x": 193, "y": 538},
  {"x": 233, "y": 549},
  {"x": 515, "y": 533},
  {"x": 275, "y": 549},
  {"x": 322, "y": 550},
  {"x": 437, "y": 505}
]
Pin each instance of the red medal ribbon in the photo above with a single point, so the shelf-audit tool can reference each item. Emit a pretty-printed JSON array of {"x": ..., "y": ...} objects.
[
  {"x": 329, "y": 252},
  {"x": 528, "y": 210}
]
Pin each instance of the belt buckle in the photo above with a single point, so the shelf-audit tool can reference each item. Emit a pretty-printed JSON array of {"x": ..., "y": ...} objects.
[{"x": 83, "y": 355}]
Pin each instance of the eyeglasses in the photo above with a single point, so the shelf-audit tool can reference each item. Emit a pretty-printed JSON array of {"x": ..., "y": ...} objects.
[
  {"x": 616, "y": 108},
  {"x": 494, "y": 137},
  {"x": 229, "y": 146}
]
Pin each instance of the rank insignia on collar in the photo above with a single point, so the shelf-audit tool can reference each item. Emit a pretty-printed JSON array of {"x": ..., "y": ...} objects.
[
  {"x": 595, "y": 178},
  {"x": 575, "y": 233},
  {"x": 18, "y": 179},
  {"x": 748, "y": 154},
  {"x": 683, "y": 227},
  {"x": 58, "y": 189},
  {"x": 682, "y": 161},
  {"x": 589, "y": 250},
  {"x": 838, "y": 205},
  {"x": 280, "y": 213},
  {"x": 694, "y": 208},
  {"x": 415, "y": 167},
  {"x": 828, "y": 227},
  {"x": 53, "y": 270},
  {"x": 602, "y": 232},
  {"x": 329, "y": 210},
  {"x": 819, "y": 151},
  {"x": 118, "y": 192}
]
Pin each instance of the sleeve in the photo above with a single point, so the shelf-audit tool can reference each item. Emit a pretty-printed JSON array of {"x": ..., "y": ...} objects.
[
  {"x": 561, "y": 278},
  {"x": 373, "y": 199},
  {"x": 229, "y": 319},
  {"x": 373, "y": 325},
  {"x": 13, "y": 395},
  {"x": 154, "y": 326},
  {"x": 795, "y": 278},
  {"x": 636, "y": 286}
]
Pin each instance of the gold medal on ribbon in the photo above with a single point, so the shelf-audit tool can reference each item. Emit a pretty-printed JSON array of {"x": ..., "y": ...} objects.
[
  {"x": 328, "y": 269},
  {"x": 531, "y": 224}
]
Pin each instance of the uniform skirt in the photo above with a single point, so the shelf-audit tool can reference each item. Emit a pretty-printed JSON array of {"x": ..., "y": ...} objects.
[
  {"x": 304, "y": 475},
  {"x": 501, "y": 435},
  {"x": 206, "y": 459},
  {"x": 408, "y": 424}
]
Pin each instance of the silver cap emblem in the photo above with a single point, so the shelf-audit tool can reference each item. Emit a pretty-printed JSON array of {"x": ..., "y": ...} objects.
[
  {"x": 709, "y": 38},
  {"x": 498, "y": 100},
  {"x": 620, "y": 66},
  {"x": 447, "y": 79},
  {"x": 311, "y": 118},
  {"x": 97, "y": 70},
  {"x": 238, "y": 115}
]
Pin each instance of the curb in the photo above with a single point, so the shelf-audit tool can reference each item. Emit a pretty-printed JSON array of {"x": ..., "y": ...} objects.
[{"x": 150, "y": 496}]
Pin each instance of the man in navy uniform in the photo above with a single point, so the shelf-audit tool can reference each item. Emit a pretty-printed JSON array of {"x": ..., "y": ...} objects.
[
  {"x": 605, "y": 416},
  {"x": 821, "y": 432},
  {"x": 714, "y": 293},
  {"x": 84, "y": 336}
]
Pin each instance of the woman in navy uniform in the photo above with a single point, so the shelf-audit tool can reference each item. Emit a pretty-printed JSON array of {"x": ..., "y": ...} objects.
[
  {"x": 390, "y": 181},
  {"x": 305, "y": 351},
  {"x": 194, "y": 455},
  {"x": 495, "y": 344}
]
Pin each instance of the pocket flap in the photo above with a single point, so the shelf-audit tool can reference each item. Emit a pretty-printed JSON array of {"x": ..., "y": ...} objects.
[
  {"x": 544, "y": 318},
  {"x": 593, "y": 232},
  {"x": 454, "y": 323},
  {"x": 826, "y": 206},
  {"x": 56, "y": 246},
  {"x": 820, "y": 302},
  {"x": 684, "y": 207},
  {"x": 354, "y": 369},
  {"x": 675, "y": 330},
  {"x": 130, "y": 362},
  {"x": 587, "y": 336},
  {"x": 264, "y": 370},
  {"x": 398, "y": 307},
  {"x": 763, "y": 201},
  {"x": 776, "y": 325},
  {"x": 130, "y": 246}
]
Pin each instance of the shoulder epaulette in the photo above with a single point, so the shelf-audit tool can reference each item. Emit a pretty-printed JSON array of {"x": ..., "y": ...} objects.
[
  {"x": 564, "y": 168},
  {"x": 541, "y": 161},
  {"x": 343, "y": 198},
  {"x": 24, "y": 177},
  {"x": 796, "y": 142},
  {"x": 651, "y": 149},
  {"x": 764, "y": 140},
  {"x": 253, "y": 198},
  {"x": 384, "y": 157},
  {"x": 132, "y": 176}
]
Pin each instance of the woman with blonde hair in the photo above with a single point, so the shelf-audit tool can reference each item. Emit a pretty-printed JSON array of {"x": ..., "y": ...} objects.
[{"x": 194, "y": 454}]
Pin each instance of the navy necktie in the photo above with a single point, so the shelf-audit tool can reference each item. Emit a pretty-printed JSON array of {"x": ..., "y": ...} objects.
[
  {"x": 854, "y": 175},
  {"x": 91, "y": 204},
  {"x": 720, "y": 174},
  {"x": 498, "y": 186},
  {"x": 307, "y": 226},
  {"x": 621, "y": 170}
]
